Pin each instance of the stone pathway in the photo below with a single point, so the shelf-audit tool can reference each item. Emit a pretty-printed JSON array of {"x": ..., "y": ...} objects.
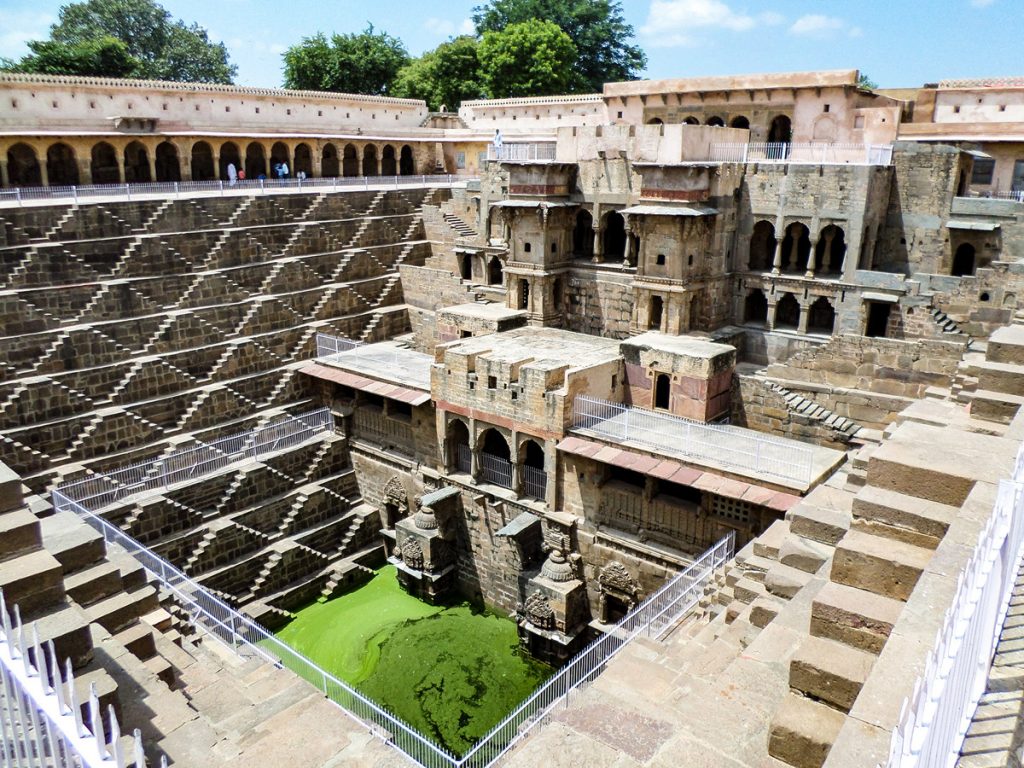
[{"x": 995, "y": 738}]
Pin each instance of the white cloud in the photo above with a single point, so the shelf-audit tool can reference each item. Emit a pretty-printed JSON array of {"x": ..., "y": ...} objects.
[
  {"x": 856, "y": 32},
  {"x": 18, "y": 27},
  {"x": 678, "y": 22},
  {"x": 816, "y": 25},
  {"x": 448, "y": 28},
  {"x": 982, "y": 3}
]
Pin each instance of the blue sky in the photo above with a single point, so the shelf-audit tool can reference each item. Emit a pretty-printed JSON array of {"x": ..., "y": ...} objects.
[{"x": 897, "y": 42}]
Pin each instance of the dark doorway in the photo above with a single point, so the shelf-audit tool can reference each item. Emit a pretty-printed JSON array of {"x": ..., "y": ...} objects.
[
  {"x": 104, "y": 164},
  {"x": 583, "y": 235},
  {"x": 662, "y": 390},
  {"x": 61, "y": 166},
  {"x": 878, "y": 319},
  {"x": 168, "y": 168},
  {"x": 963, "y": 260},
  {"x": 787, "y": 312},
  {"x": 329, "y": 166},
  {"x": 229, "y": 154},
  {"x": 657, "y": 308},
  {"x": 406, "y": 164},
  {"x": 350, "y": 161},
  {"x": 23, "y": 166},
  {"x": 202, "y": 162},
  {"x": 797, "y": 262},
  {"x": 458, "y": 447},
  {"x": 781, "y": 130},
  {"x": 716, "y": 122},
  {"x": 303, "y": 161},
  {"x": 739, "y": 122},
  {"x": 495, "y": 273},
  {"x": 255, "y": 161},
  {"x": 755, "y": 308},
  {"x": 278, "y": 157},
  {"x": 466, "y": 266},
  {"x": 614, "y": 237},
  {"x": 370, "y": 160},
  {"x": 762, "y": 247},
  {"x": 136, "y": 164},
  {"x": 524, "y": 294},
  {"x": 821, "y": 318},
  {"x": 387, "y": 161}
]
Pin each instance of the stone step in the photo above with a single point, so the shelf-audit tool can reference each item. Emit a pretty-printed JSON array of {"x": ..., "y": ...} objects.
[
  {"x": 901, "y": 517},
  {"x": 803, "y": 731},
  {"x": 19, "y": 533},
  {"x": 763, "y": 610},
  {"x": 747, "y": 590},
  {"x": 785, "y": 581},
  {"x": 33, "y": 581},
  {"x": 71, "y": 541},
  {"x": 995, "y": 406},
  {"x": 106, "y": 691},
  {"x": 767, "y": 544},
  {"x": 139, "y": 640},
  {"x": 117, "y": 612},
  {"x": 804, "y": 554},
  {"x": 754, "y": 566},
  {"x": 1000, "y": 377},
  {"x": 830, "y": 671},
  {"x": 132, "y": 573},
  {"x": 877, "y": 564},
  {"x": 92, "y": 584},
  {"x": 68, "y": 627},
  {"x": 159, "y": 619},
  {"x": 827, "y": 526},
  {"x": 163, "y": 669},
  {"x": 1006, "y": 345},
  {"x": 856, "y": 617}
]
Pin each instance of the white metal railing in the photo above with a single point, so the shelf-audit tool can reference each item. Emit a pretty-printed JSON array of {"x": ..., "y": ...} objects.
[
  {"x": 721, "y": 444},
  {"x": 328, "y": 346},
  {"x": 101, "y": 490},
  {"x": 164, "y": 189},
  {"x": 522, "y": 152},
  {"x": 651, "y": 618},
  {"x": 385, "y": 361},
  {"x": 815, "y": 153},
  {"x": 535, "y": 482},
  {"x": 935, "y": 719},
  {"x": 40, "y": 716},
  {"x": 495, "y": 469}
]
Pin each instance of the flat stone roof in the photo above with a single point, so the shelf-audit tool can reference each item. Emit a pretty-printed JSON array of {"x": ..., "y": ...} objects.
[
  {"x": 386, "y": 361},
  {"x": 491, "y": 311},
  {"x": 542, "y": 347},
  {"x": 669, "y": 210},
  {"x": 822, "y": 79},
  {"x": 687, "y": 346}
]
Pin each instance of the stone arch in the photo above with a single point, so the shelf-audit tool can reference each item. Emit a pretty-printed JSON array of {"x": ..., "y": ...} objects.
[
  {"x": 716, "y": 121},
  {"x": 388, "y": 166},
  {"x": 662, "y": 391},
  {"x": 255, "y": 160},
  {"x": 619, "y": 592},
  {"x": 824, "y": 129},
  {"x": 821, "y": 316},
  {"x": 740, "y": 121},
  {"x": 349, "y": 161},
  {"x": 279, "y": 156},
  {"x": 23, "y": 166},
  {"x": 531, "y": 453},
  {"x": 229, "y": 155},
  {"x": 202, "y": 162},
  {"x": 493, "y": 441},
  {"x": 762, "y": 246},
  {"x": 691, "y": 120},
  {"x": 796, "y": 247},
  {"x": 531, "y": 459},
  {"x": 787, "y": 312},
  {"x": 583, "y": 234},
  {"x": 963, "y": 260},
  {"x": 614, "y": 236},
  {"x": 655, "y": 121},
  {"x": 61, "y": 165},
  {"x": 330, "y": 167},
  {"x": 168, "y": 167},
  {"x": 370, "y": 167},
  {"x": 303, "y": 160},
  {"x": 136, "y": 164},
  {"x": 495, "y": 271},
  {"x": 103, "y": 164},
  {"x": 780, "y": 131},
  {"x": 755, "y": 307},
  {"x": 457, "y": 434},
  {"x": 830, "y": 250},
  {"x": 466, "y": 266},
  {"x": 406, "y": 163},
  {"x": 394, "y": 503}
]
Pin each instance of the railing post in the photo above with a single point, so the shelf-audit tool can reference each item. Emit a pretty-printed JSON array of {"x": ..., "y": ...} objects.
[
  {"x": 17, "y": 194},
  {"x": 128, "y": 190},
  {"x": 746, "y": 152},
  {"x": 74, "y": 193}
]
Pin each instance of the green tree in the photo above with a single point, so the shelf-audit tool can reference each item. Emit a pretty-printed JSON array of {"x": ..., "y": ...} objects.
[
  {"x": 363, "y": 63},
  {"x": 447, "y": 75},
  {"x": 864, "y": 81},
  {"x": 597, "y": 29},
  {"x": 165, "y": 48},
  {"x": 532, "y": 58},
  {"x": 102, "y": 57}
]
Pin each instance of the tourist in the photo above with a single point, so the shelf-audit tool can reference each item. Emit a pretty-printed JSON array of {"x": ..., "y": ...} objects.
[
  {"x": 241, "y": 175},
  {"x": 232, "y": 174},
  {"x": 284, "y": 170}
]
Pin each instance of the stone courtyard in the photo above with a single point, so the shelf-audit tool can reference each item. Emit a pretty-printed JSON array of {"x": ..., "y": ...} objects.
[{"x": 548, "y": 384}]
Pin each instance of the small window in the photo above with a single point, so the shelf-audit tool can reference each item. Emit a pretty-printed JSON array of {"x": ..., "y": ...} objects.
[
  {"x": 983, "y": 171},
  {"x": 661, "y": 259},
  {"x": 92, "y": 104},
  {"x": 227, "y": 109},
  {"x": 287, "y": 111},
  {"x": 615, "y": 381},
  {"x": 466, "y": 334},
  {"x": 492, "y": 382},
  {"x": 554, "y": 247},
  {"x": 956, "y": 109},
  {"x": 257, "y": 110},
  {"x": 690, "y": 262},
  {"x": 319, "y": 113},
  {"x": 460, "y": 160},
  {"x": 164, "y": 107},
  {"x": 828, "y": 108},
  {"x": 527, "y": 247},
  {"x": 1002, "y": 107},
  {"x": 858, "y": 122},
  {"x": 620, "y": 115}
]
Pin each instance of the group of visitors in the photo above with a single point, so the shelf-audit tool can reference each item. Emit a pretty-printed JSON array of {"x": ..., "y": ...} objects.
[{"x": 281, "y": 171}]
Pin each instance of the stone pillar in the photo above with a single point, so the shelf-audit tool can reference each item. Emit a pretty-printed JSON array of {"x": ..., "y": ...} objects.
[
  {"x": 802, "y": 322},
  {"x": 532, "y": 303},
  {"x": 44, "y": 173},
  {"x": 216, "y": 165},
  {"x": 598, "y": 253},
  {"x": 826, "y": 262},
  {"x": 85, "y": 171},
  {"x": 684, "y": 313},
  {"x": 5, "y": 179},
  {"x": 151, "y": 157},
  {"x": 793, "y": 253},
  {"x": 770, "y": 320},
  {"x": 550, "y": 472},
  {"x": 185, "y": 162},
  {"x": 630, "y": 257},
  {"x": 316, "y": 158},
  {"x": 777, "y": 256},
  {"x": 811, "y": 259}
]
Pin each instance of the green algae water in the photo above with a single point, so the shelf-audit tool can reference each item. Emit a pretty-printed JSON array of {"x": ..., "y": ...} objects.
[{"x": 452, "y": 673}]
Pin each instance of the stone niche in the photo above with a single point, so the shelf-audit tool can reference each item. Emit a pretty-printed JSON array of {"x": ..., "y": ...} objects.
[
  {"x": 553, "y": 619},
  {"x": 424, "y": 551},
  {"x": 681, "y": 375}
]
